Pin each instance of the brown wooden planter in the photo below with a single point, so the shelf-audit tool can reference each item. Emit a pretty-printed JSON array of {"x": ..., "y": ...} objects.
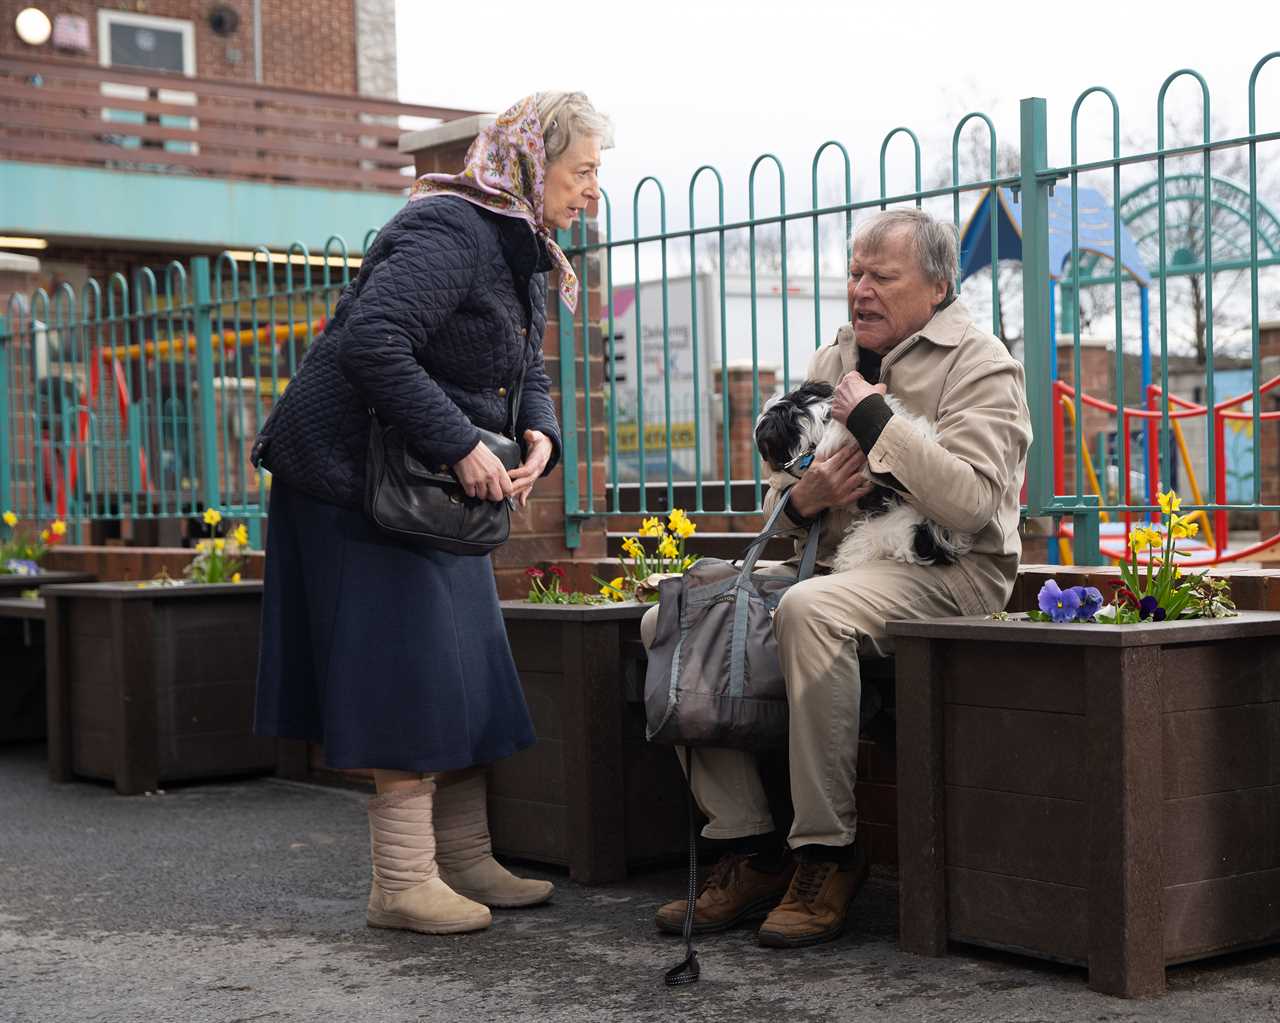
[
  {"x": 152, "y": 685},
  {"x": 12, "y": 585},
  {"x": 592, "y": 794},
  {"x": 22, "y": 710},
  {"x": 1100, "y": 795}
]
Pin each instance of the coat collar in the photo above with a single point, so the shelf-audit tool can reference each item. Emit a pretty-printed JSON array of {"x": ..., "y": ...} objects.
[
  {"x": 945, "y": 329},
  {"x": 521, "y": 247}
]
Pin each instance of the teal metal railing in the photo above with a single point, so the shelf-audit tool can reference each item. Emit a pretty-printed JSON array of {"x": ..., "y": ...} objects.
[
  {"x": 1048, "y": 296},
  {"x": 141, "y": 400}
]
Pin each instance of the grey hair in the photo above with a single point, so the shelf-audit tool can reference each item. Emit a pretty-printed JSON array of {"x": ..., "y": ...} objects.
[
  {"x": 936, "y": 242},
  {"x": 565, "y": 117}
]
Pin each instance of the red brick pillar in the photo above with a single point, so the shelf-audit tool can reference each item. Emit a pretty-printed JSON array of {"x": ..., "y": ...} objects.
[
  {"x": 538, "y": 533},
  {"x": 1269, "y": 522},
  {"x": 1097, "y": 368},
  {"x": 742, "y": 417}
]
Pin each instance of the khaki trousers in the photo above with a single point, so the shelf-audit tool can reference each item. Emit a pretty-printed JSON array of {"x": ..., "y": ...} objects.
[{"x": 822, "y": 625}]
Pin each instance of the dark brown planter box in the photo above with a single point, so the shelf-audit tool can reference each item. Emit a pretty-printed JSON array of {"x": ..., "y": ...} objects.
[
  {"x": 22, "y": 670},
  {"x": 22, "y": 711},
  {"x": 1106, "y": 796},
  {"x": 592, "y": 794},
  {"x": 12, "y": 585},
  {"x": 148, "y": 685}
]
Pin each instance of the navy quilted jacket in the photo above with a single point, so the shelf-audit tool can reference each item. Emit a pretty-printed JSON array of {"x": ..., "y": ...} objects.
[{"x": 449, "y": 304}]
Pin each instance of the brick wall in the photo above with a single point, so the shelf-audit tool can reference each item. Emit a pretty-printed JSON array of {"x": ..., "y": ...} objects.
[
  {"x": 306, "y": 44},
  {"x": 742, "y": 444},
  {"x": 1097, "y": 369}
]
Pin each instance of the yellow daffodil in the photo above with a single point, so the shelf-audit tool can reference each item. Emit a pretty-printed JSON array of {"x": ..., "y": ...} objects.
[
  {"x": 212, "y": 516},
  {"x": 685, "y": 528},
  {"x": 687, "y": 563},
  {"x": 241, "y": 535},
  {"x": 219, "y": 545},
  {"x": 1193, "y": 528},
  {"x": 613, "y": 590},
  {"x": 58, "y": 528},
  {"x": 44, "y": 536},
  {"x": 632, "y": 548},
  {"x": 1169, "y": 503},
  {"x": 651, "y": 527},
  {"x": 202, "y": 546},
  {"x": 235, "y": 578},
  {"x": 668, "y": 548},
  {"x": 1141, "y": 537},
  {"x": 10, "y": 519},
  {"x": 675, "y": 518}
]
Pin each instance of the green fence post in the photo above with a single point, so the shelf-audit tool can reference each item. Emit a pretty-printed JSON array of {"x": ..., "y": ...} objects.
[
  {"x": 202, "y": 319},
  {"x": 5, "y": 425},
  {"x": 1085, "y": 539},
  {"x": 1035, "y": 303},
  {"x": 569, "y": 410}
]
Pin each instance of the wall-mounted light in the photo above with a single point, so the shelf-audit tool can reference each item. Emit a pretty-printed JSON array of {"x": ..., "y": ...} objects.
[
  {"x": 33, "y": 26},
  {"x": 10, "y": 242},
  {"x": 297, "y": 258}
]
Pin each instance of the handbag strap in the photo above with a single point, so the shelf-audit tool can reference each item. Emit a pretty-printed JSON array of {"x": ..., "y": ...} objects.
[
  {"x": 808, "y": 558},
  {"x": 513, "y": 411}
]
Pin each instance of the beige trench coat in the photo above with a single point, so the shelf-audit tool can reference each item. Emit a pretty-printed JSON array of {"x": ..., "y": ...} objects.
[{"x": 962, "y": 379}]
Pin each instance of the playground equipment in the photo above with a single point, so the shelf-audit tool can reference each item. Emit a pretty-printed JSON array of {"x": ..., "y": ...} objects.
[
  {"x": 1213, "y": 549},
  {"x": 62, "y": 469}
]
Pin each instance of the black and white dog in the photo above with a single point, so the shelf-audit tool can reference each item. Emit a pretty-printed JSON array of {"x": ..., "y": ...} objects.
[{"x": 794, "y": 428}]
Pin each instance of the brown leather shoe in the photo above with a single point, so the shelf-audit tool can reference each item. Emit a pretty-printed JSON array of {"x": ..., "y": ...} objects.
[
  {"x": 732, "y": 892},
  {"x": 816, "y": 905}
]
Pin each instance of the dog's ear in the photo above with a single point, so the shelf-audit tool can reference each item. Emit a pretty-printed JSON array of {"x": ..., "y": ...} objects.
[
  {"x": 776, "y": 431},
  {"x": 811, "y": 392}
]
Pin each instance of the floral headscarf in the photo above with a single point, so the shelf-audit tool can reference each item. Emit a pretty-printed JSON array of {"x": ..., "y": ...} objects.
[{"x": 505, "y": 172}]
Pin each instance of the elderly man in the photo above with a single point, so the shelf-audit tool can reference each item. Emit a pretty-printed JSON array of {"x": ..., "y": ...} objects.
[{"x": 911, "y": 337}]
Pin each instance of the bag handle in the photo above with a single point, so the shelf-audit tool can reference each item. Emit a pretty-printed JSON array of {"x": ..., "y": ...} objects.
[
  {"x": 808, "y": 558},
  {"x": 513, "y": 410}
]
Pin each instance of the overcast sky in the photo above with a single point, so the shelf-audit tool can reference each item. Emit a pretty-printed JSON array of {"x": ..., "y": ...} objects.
[{"x": 701, "y": 81}]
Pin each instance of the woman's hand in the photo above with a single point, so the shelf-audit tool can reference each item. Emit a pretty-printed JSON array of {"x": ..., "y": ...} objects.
[
  {"x": 483, "y": 475},
  {"x": 836, "y": 481},
  {"x": 538, "y": 446}
]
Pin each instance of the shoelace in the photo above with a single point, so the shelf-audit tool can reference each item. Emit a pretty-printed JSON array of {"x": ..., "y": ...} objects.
[{"x": 810, "y": 877}]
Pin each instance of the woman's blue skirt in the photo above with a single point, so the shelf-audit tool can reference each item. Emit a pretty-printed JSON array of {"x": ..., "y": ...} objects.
[{"x": 393, "y": 658}]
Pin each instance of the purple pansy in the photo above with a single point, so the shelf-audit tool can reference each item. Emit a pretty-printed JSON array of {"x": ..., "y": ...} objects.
[
  {"x": 1059, "y": 604},
  {"x": 1149, "y": 607},
  {"x": 1090, "y": 601}
]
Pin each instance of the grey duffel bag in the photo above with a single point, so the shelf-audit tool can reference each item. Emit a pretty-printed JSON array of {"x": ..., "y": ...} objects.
[{"x": 714, "y": 678}]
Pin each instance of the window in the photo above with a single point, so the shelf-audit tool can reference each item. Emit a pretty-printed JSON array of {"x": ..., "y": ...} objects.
[
  {"x": 151, "y": 44},
  {"x": 143, "y": 41}
]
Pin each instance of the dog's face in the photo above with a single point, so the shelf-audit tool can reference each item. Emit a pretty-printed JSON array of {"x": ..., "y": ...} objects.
[{"x": 791, "y": 424}]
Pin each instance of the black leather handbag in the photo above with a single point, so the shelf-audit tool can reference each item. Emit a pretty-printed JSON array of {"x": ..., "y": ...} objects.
[{"x": 425, "y": 507}]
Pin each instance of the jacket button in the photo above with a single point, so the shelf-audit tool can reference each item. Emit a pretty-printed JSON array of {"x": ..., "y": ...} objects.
[
  {"x": 502, "y": 392},
  {"x": 443, "y": 467}
]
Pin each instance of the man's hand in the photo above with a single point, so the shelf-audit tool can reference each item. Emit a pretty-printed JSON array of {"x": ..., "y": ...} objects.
[
  {"x": 853, "y": 387},
  {"x": 837, "y": 481},
  {"x": 538, "y": 446}
]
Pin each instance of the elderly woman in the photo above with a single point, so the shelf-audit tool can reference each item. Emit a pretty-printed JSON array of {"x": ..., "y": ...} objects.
[{"x": 396, "y": 657}]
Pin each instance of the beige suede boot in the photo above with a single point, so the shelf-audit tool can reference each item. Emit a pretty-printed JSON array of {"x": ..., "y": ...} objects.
[
  {"x": 407, "y": 892},
  {"x": 465, "y": 854}
]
